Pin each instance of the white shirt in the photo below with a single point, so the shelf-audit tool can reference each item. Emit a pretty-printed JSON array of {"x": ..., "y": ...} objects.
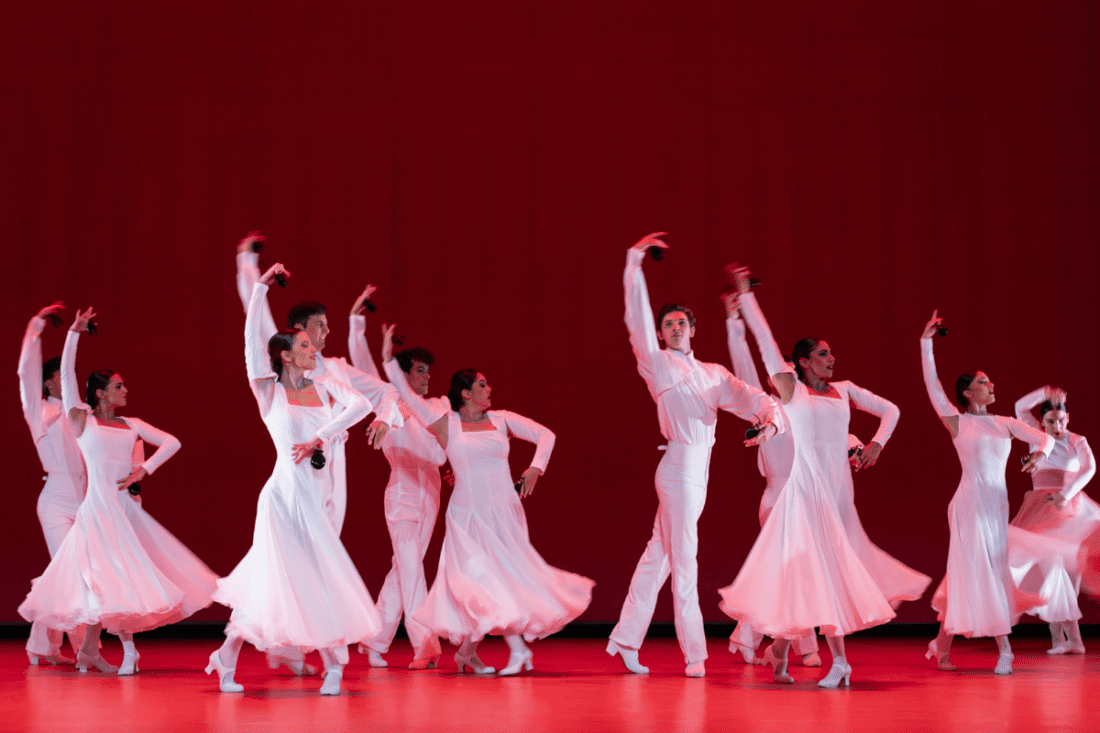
[
  {"x": 50, "y": 428},
  {"x": 688, "y": 392}
]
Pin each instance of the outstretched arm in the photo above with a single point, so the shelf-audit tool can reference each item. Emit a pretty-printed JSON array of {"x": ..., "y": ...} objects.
[
  {"x": 30, "y": 371},
  {"x": 639, "y": 312},
  {"x": 356, "y": 407},
  {"x": 888, "y": 413},
  {"x": 948, "y": 413},
  {"x": 543, "y": 438},
  {"x": 248, "y": 274},
  {"x": 74, "y": 407},
  {"x": 357, "y": 336}
]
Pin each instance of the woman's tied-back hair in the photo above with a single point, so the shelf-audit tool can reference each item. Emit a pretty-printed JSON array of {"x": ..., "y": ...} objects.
[
  {"x": 97, "y": 381},
  {"x": 961, "y": 385},
  {"x": 276, "y": 345},
  {"x": 803, "y": 350},
  {"x": 463, "y": 379}
]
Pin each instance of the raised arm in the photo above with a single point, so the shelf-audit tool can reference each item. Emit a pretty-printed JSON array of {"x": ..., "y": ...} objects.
[
  {"x": 248, "y": 274},
  {"x": 543, "y": 438},
  {"x": 639, "y": 312},
  {"x": 1076, "y": 480},
  {"x": 76, "y": 409},
  {"x": 947, "y": 412},
  {"x": 1029, "y": 402},
  {"x": 740, "y": 356},
  {"x": 383, "y": 395},
  {"x": 781, "y": 373},
  {"x": 424, "y": 410},
  {"x": 888, "y": 414},
  {"x": 261, "y": 377},
  {"x": 357, "y": 335},
  {"x": 30, "y": 376}
]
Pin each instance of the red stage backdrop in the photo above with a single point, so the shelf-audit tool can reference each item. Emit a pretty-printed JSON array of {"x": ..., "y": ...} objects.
[{"x": 487, "y": 164}]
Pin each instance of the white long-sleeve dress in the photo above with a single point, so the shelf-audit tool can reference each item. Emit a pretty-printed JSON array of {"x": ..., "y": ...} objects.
[
  {"x": 117, "y": 566},
  {"x": 490, "y": 579},
  {"x": 297, "y": 586},
  {"x": 1066, "y": 471},
  {"x": 979, "y": 595}
]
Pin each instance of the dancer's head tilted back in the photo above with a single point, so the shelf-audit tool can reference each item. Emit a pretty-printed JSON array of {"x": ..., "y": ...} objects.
[
  {"x": 813, "y": 358},
  {"x": 51, "y": 378},
  {"x": 469, "y": 387},
  {"x": 309, "y": 316},
  {"x": 974, "y": 388},
  {"x": 105, "y": 387},
  {"x": 293, "y": 347},
  {"x": 676, "y": 326},
  {"x": 416, "y": 363}
]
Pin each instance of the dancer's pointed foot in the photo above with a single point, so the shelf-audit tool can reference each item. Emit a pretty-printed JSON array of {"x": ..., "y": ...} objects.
[
  {"x": 840, "y": 671},
  {"x": 84, "y": 661},
  {"x": 226, "y": 683},
  {"x": 1067, "y": 647},
  {"x": 629, "y": 657},
  {"x": 941, "y": 657},
  {"x": 778, "y": 666},
  {"x": 749, "y": 655}
]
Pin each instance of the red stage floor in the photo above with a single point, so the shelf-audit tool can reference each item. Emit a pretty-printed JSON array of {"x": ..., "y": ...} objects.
[{"x": 575, "y": 686}]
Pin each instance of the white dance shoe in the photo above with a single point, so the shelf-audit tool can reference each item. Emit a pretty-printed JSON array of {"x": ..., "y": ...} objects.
[
  {"x": 1004, "y": 664},
  {"x": 839, "y": 672},
  {"x": 472, "y": 662},
  {"x": 941, "y": 657},
  {"x": 226, "y": 683},
  {"x": 629, "y": 657},
  {"x": 518, "y": 663},
  {"x": 299, "y": 667},
  {"x": 695, "y": 669},
  {"x": 129, "y": 664},
  {"x": 749, "y": 655},
  {"x": 333, "y": 678},
  {"x": 1067, "y": 647},
  {"x": 84, "y": 661},
  {"x": 779, "y": 666},
  {"x": 54, "y": 659}
]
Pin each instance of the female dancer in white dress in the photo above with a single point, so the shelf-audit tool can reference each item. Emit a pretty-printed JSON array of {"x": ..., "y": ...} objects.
[
  {"x": 40, "y": 396},
  {"x": 848, "y": 583},
  {"x": 490, "y": 579},
  {"x": 977, "y": 596},
  {"x": 1057, "y": 507},
  {"x": 296, "y": 587},
  {"x": 117, "y": 568}
]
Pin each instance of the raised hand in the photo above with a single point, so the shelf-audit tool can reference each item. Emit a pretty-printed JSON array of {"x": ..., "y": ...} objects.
[
  {"x": 82, "y": 320},
  {"x": 245, "y": 244},
  {"x": 732, "y": 303},
  {"x": 360, "y": 302},
  {"x": 276, "y": 269},
  {"x": 51, "y": 310},
  {"x": 740, "y": 276},
  {"x": 1056, "y": 395},
  {"x": 930, "y": 327},
  {"x": 387, "y": 341},
  {"x": 651, "y": 240}
]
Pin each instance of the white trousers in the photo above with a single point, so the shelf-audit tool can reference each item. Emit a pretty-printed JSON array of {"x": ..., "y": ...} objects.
[
  {"x": 56, "y": 514},
  {"x": 743, "y": 635},
  {"x": 411, "y": 505},
  {"x": 681, "y": 483}
]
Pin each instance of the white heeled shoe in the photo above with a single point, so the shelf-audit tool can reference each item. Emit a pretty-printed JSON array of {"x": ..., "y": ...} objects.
[
  {"x": 1067, "y": 647},
  {"x": 749, "y": 655},
  {"x": 941, "y": 657},
  {"x": 225, "y": 674},
  {"x": 129, "y": 664},
  {"x": 472, "y": 662},
  {"x": 518, "y": 663},
  {"x": 1004, "y": 664},
  {"x": 333, "y": 678},
  {"x": 84, "y": 661},
  {"x": 839, "y": 672},
  {"x": 54, "y": 659},
  {"x": 779, "y": 667},
  {"x": 629, "y": 657},
  {"x": 299, "y": 667},
  {"x": 695, "y": 669}
]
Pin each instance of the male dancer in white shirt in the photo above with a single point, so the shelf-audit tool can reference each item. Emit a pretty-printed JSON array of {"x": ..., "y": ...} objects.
[
  {"x": 688, "y": 394},
  {"x": 311, "y": 317},
  {"x": 66, "y": 481},
  {"x": 411, "y": 502}
]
